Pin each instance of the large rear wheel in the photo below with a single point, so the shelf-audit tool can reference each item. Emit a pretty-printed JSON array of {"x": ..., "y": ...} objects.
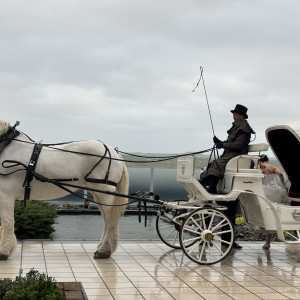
[{"x": 211, "y": 233}]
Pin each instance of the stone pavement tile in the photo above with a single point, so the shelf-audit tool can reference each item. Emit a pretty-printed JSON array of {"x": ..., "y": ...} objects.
[
  {"x": 97, "y": 292},
  {"x": 157, "y": 297},
  {"x": 187, "y": 296},
  {"x": 260, "y": 289},
  {"x": 93, "y": 285},
  {"x": 208, "y": 290},
  {"x": 271, "y": 296},
  {"x": 286, "y": 289},
  {"x": 277, "y": 283},
  {"x": 244, "y": 297},
  {"x": 215, "y": 296},
  {"x": 234, "y": 290},
  {"x": 124, "y": 291},
  {"x": 180, "y": 290},
  {"x": 104, "y": 297},
  {"x": 152, "y": 291},
  {"x": 147, "y": 284},
  {"x": 128, "y": 297},
  {"x": 292, "y": 295}
]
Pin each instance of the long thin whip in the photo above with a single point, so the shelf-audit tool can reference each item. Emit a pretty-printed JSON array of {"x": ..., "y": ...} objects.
[
  {"x": 201, "y": 76},
  {"x": 211, "y": 122}
]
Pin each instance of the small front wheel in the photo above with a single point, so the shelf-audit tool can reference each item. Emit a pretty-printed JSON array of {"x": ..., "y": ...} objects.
[
  {"x": 211, "y": 233},
  {"x": 167, "y": 229}
]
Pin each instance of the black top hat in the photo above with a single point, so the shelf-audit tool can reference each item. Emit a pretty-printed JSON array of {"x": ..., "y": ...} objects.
[{"x": 240, "y": 109}]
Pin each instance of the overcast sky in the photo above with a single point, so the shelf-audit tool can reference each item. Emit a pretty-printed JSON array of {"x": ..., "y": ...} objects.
[{"x": 123, "y": 71}]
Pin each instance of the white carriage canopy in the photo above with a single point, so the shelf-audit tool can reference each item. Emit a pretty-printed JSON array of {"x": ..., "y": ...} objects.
[{"x": 285, "y": 143}]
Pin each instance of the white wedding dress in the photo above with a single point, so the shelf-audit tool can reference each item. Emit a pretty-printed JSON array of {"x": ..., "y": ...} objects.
[{"x": 273, "y": 191}]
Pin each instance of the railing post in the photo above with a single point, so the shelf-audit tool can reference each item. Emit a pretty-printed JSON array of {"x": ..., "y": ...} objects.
[
  {"x": 151, "y": 181},
  {"x": 86, "y": 203}
]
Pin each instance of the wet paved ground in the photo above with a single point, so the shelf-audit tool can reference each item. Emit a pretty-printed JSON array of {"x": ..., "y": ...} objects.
[{"x": 151, "y": 270}]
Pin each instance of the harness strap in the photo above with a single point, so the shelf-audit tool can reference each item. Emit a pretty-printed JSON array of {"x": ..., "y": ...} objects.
[
  {"x": 105, "y": 180},
  {"x": 30, "y": 169}
]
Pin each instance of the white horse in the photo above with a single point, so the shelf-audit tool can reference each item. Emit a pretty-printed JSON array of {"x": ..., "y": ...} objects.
[{"x": 63, "y": 161}]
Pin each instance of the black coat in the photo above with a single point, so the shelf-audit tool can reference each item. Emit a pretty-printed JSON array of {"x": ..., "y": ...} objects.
[{"x": 237, "y": 142}]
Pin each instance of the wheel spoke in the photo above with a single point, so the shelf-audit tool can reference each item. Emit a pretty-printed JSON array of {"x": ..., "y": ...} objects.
[
  {"x": 211, "y": 220},
  {"x": 209, "y": 250},
  {"x": 165, "y": 227},
  {"x": 221, "y": 232},
  {"x": 193, "y": 220},
  {"x": 295, "y": 235},
  {"x": 166, "y": 236},
  {"x": 225, "y": 242},
  {"x": 204, "y": 224},
  {"x": 196, "y": 245},
  {"x": 202, "y": 250},
  {"x": 192, "y": 240},
  {"x": 191, "y": 230},
  {"x": 219, "y": 249},
  {"x": 175, "y": 239},
  {"x": 165, "y": 218},
  {"x": 220, "y": 225}
]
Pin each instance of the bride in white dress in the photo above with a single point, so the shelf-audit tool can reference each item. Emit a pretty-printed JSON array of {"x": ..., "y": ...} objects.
[{"x": 273, "y": 191}]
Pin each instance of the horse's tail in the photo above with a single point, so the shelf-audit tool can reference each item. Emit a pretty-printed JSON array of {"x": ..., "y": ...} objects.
[{"x": 122, "y": 188}]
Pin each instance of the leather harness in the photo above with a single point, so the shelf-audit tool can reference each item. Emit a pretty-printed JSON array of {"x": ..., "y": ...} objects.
[{"x": 30, "y": 171}]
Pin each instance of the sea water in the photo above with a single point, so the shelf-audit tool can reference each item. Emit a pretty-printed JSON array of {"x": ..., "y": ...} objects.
[{"x": 90, "y": 227}]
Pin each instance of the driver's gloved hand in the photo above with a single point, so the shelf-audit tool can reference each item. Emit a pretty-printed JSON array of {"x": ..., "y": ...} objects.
[
  {"x": 219, "y": 145},
  {"x": 216, "y": 140}
]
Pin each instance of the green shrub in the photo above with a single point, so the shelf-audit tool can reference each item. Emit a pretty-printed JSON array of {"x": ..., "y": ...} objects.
[
  {"x": 36, "y": 219},
  {"x": 34, "y": 286}
]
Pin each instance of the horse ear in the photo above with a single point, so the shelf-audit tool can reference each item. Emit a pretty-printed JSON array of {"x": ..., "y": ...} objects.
[{"x": 3, "y": 126}]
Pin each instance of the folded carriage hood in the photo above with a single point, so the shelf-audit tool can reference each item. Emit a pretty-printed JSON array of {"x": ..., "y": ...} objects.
[{"x": 284, "y": 140}]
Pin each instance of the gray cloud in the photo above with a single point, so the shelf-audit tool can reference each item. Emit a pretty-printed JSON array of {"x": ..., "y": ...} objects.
[{"x": 123, "y": 71}]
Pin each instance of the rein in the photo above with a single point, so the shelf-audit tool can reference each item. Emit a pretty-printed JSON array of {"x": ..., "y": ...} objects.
[
  {"x": 61, "y": 183},
  {"x": 158, "y": 158}
]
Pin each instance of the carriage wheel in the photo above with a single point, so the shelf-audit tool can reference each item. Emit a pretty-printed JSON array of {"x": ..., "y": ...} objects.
[
  {"x": 204, "y": 227},
  {"x": 167, "y": 229},
  {"x": 291, "y": 235},
  {"x": 168, "y": 225}
]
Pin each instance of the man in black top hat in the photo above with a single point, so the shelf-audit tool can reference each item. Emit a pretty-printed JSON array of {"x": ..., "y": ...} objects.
[{"x": 237, "y": 142}]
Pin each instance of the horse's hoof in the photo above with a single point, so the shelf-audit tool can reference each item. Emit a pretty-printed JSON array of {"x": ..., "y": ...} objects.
[
  {"x": 3, "y": 257},
  {"x": 99, "y": 255}
]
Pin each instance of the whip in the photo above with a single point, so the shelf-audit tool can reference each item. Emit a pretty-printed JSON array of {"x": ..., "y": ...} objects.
[
  {"x": 201, "y": 77},
  {"x": 214, "y": 150}
]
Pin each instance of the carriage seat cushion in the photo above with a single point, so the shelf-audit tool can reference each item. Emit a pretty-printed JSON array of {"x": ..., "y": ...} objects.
[
  {"x": 258, "y": 147},
  {"x": 243, "y": 162}
]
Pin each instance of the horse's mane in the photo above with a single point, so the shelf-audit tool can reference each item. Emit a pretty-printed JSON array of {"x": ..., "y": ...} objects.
[{"x": 3, "y": 127}]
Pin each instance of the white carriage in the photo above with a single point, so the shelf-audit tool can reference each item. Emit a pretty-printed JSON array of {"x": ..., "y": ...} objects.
[{"x": 197, "y": 226}]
